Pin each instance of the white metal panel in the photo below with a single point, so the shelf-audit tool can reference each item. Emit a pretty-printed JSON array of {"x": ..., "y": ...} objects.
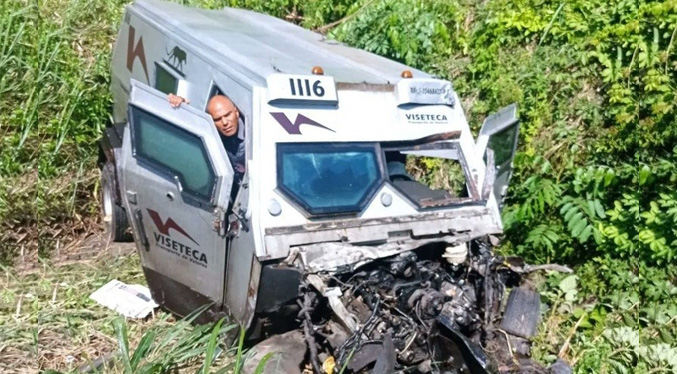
[
  {"x": 181, "y": 240},
  {"x": 300, "y": 89},
  {"x": 258, "y": 45}
]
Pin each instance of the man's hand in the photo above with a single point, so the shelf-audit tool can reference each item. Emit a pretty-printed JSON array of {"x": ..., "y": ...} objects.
[{"x": 175, "y": 101}]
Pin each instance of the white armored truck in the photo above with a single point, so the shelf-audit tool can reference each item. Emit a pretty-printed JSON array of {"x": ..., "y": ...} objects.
[{"x": 334, "y": 240}]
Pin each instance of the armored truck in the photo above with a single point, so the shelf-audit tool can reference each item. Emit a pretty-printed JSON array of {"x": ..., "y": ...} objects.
[{"x": 335, "y": 239}]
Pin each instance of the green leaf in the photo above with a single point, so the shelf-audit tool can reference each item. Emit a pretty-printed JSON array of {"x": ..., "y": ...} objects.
[
  {"x": 142, "y": 349},
  {"x": 576, "y": 219},
  {"x": 120, "y": 328},
  {"x": 597, "y": 234},
  {"x": 240, "y": 352},
  {"x": 599, "y": 209},
  {"x": 211, "y": 347},
  {"x": 569, "y": 283},
  {"x": 666, "y": 335},
  {"x": 578, "y": 228},
  {"x": 264, "y": 360},
  {"x": 591, "y": 207},
  {"x": 585, "y": 235},
  {"x": 608, "y": 177},
  {"x": 644, "y": 174},
  {"x": 565, "y": 208}
]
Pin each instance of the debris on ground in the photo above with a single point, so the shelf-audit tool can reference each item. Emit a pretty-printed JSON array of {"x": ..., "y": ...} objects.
[{"x": 132, "y": 301}]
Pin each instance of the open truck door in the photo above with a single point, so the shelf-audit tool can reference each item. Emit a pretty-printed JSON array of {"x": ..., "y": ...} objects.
[
  {"x": 176, "y": 186},
  {"x": 500, "y": 132}
]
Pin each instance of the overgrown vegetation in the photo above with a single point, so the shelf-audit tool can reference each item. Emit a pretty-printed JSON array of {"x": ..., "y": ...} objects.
[
  {"x": 48, "y": 323},
  {"x": 595, "y": 181},
  {"x": 54, "y": 69}
]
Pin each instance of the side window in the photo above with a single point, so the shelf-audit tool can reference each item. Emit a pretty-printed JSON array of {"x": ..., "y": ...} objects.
[
  {"x": 165, "y": 81},
  {"x": 173, "y": 151},
  {"x": 215, "y": 91}
]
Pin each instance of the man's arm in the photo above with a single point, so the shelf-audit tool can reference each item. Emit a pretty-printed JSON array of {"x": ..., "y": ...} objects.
[{"x": 175, "y": 101}]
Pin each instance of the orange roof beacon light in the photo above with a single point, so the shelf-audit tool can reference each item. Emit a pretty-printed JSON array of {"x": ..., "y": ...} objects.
[
  {"x": 406, "y": 74},
  {"x": 317, "y": 70}
]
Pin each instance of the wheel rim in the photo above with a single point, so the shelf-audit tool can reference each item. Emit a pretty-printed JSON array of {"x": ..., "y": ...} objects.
[{"x": 106, "y": 203}]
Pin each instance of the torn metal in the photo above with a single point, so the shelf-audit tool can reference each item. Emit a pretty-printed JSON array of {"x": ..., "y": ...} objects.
[{"x": 430, "y": 307}]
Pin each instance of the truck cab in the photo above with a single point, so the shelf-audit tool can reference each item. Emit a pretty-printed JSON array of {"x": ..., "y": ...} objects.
[{"x": 337, "y": 143}]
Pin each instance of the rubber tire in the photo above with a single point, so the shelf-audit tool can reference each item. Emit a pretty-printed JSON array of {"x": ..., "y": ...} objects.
[{"x": 114, "y": 216}]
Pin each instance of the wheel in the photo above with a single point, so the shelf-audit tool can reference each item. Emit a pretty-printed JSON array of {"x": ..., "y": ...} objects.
[
  {"x": 286, "y": 352},
  {"x": 114, "y": 216}
]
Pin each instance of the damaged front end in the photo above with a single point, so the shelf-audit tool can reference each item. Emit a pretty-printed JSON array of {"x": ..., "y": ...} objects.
[{"x": 438, "y": 308}]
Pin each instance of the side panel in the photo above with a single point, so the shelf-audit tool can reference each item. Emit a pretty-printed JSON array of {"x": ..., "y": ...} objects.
[{"x": 143, "y": 52}]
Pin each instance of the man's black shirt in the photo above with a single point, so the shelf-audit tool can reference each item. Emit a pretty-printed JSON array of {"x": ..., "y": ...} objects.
[{"x": 235, "y": 149}]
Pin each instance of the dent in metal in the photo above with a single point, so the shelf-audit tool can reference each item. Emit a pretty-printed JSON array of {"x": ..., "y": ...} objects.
[
  {"x": 342, "y": 257},
  {"x": 353, "y": 223}
]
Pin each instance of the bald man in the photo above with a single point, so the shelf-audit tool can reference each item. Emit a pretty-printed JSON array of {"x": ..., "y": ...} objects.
[{"x": 227, "y": 120}]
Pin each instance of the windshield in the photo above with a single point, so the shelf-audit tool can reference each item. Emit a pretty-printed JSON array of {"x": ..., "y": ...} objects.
[{"x": 329, "y": 178}]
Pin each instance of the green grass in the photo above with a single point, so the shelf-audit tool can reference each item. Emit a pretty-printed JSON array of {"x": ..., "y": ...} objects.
[{"x": 47, "y": 321}]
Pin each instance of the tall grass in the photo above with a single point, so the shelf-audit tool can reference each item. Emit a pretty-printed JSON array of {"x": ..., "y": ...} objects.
[
  {"x": 54, "y": 78},
  {"x": 17, "y": 69}
]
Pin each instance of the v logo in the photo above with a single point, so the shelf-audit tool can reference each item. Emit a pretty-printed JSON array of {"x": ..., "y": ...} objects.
[
  {"x": 295, "y": 128},
  {"x": 134, "y": 52},
  {"x": 163, "y": 227}
]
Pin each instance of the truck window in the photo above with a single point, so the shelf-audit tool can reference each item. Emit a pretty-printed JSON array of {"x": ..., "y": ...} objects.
[
  {"x": 165, "y": 81},
  {"x": 502, "y": 143},
  {"x": 431, "y": 176},
  {"x": 215, "y": 91},
  {"x": 173, "y": 151},
  {"x": 329, "y": 178},
  {"x": 444, "y": 176}
]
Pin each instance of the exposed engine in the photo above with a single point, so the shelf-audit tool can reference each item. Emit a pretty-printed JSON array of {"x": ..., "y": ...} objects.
[{"x": 433, "y": 310}]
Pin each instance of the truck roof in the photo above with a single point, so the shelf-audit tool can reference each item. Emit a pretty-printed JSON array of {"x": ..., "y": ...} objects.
[{"x": 258, "y": 45}]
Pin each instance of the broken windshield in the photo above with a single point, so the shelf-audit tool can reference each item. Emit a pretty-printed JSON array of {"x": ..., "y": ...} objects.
[{"x": 431, "y": 174}]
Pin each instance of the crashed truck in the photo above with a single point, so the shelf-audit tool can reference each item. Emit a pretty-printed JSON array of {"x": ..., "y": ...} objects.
[{"x": 337, "y": 250}]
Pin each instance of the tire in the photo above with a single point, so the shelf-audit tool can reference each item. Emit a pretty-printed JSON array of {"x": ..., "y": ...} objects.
[{"x": 113, "y": 215}]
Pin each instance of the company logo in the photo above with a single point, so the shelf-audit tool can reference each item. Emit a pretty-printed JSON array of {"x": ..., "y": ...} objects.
[
  {"x": 426, "y": 117},
  {"x": 136, "y": 51},
  {"x": 176, "y": 58},
  {"x": 163, "y": 227},
  {"x": 164, "y": 241},
  {"x": 295, "y": 128}
]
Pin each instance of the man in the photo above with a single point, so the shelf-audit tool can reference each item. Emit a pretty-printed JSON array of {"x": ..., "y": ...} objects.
[{"x": 230, "y": 127}]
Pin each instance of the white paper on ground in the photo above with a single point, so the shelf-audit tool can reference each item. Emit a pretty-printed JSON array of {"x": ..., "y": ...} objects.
[{"x": 132, "y": 301}]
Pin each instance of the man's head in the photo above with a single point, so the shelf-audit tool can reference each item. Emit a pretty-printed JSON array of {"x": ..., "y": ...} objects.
[{"x": 224, "y": 113}]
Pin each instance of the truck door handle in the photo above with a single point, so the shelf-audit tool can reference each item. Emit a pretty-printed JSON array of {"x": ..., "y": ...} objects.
[{"x": 170, "y": 196}]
